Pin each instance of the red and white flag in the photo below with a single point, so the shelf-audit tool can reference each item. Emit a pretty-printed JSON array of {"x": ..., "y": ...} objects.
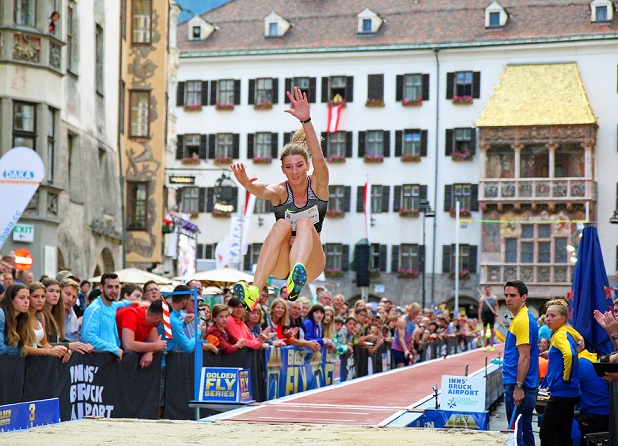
[
  {"x": 367, "y": 209},
  {"x": 334, "y": 115},
  {"x": 167, "y": 326}
]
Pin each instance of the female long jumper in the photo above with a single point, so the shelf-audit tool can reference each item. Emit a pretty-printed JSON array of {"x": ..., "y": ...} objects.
[{"x": 292, "y": 248}]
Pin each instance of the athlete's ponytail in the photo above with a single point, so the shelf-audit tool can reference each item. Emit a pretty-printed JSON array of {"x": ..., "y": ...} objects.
[{"x": 298, "y": 146}]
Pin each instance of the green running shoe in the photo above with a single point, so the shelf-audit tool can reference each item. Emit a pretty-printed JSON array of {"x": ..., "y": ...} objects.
[
  {"x": 249, "y": 295},
  {"x": 296, "y": 281}
]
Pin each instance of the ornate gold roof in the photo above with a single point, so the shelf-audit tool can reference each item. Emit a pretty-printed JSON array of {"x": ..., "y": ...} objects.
[{"x": 530, "y": 95}]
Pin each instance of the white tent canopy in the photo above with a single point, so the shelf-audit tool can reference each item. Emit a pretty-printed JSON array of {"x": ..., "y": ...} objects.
[{"x": 137, "y": 276}]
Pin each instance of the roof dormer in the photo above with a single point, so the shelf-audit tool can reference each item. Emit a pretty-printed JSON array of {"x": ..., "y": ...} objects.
[
  {"x": 495, "y": 16},
  {"x": 200, "y": 29},
  {"x": 275, "y": 25},
  {"x": 601, "y": 11},
  {"x": 369, "y": 22}
]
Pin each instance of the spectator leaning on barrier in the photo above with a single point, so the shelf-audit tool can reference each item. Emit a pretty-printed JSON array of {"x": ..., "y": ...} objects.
[
  {"x": 220, "y": 314},
  {"x": 40, "y": 346},
  {"x": 296, "y": 330},
  {"x": 313, "y": 326},
  {"x": 236, "y": 328},
  {"x": 15, "y": 332},
  {"x": 180, "y": 341},
  {"x": 137, "y": 328},
  {"x": 99, "y": 323}
]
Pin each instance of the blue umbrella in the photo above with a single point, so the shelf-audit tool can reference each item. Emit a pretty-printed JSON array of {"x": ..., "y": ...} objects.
[{"x": 590, "y": 291}]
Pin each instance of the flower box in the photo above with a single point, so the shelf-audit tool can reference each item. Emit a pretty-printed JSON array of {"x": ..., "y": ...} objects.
[
  {"x": 461, "y": 156},
  {"x": 223, "y": 106},
  {"x": 194, "y": 214},
  {"x": 407, "y": 102},
  {"x": 335, "y": 213},
  {"x": 374, "y": 103},
  {"x": 409, "y": 158},
  {"x": 464, "y": 274},
  {"x": 336, "y": 158},
  {"x": 374, "y": 273},
  {"x": 373, "y": 158},
  {"x": 463, "y": 212},
  {"x": 335, "y": 272},
  {"x": 193, "y": 108},
  {"x": 222, "y": 160},
  {"x": 262, "y": 159},
  {"x": 220, "y": 214},
  {"x": 462, "y": 100},
  {"x": 409, "y": 212},
  {"x": 190, "y": 160},
  {"x": 403, "y": 273},
  {"x": 264, "y": 105}
]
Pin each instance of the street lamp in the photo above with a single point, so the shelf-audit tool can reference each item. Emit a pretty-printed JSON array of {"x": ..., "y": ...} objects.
[{"x": 425, "y": 208}]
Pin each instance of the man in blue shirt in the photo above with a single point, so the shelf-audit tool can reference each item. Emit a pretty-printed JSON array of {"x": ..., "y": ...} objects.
[
  {"x": 99, "y": 322},
  {"x": 520, "y": 374},
  {"x": 181, "y": 341}
]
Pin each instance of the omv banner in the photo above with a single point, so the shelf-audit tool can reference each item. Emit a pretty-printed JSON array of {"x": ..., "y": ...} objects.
[{"x": 21, "y": 173}]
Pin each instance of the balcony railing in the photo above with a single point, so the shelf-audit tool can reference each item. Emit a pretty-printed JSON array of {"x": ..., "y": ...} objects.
[
  {"x": 530, "y": 273},
  {"x": 517, "y": 189}
]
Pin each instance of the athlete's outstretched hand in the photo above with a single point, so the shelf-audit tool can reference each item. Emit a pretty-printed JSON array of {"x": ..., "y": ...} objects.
[
  {"x": 300, "y": 105},
  {"x": 241, "y": 174}
]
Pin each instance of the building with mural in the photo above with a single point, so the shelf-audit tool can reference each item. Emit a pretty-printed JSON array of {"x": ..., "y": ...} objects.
[
  {"x": 506, "y": 108},
  {"x": 58, "y": 96},
  {"x": 148, "y": 64}
]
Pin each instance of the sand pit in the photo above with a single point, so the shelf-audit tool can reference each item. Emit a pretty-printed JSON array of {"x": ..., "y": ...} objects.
[{"x": 120, "y": 432}]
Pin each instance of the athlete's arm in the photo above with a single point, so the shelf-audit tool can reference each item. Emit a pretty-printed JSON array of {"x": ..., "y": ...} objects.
[
  {"x": 260, "y": 190},
  {"x": 301, "y": 111}
]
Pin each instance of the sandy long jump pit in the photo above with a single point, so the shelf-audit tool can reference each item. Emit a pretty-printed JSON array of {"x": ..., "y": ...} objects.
[{"x": 132, "y": 432}]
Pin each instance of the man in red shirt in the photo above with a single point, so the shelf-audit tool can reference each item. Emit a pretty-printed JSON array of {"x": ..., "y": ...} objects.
[{"x": 137, "y": 330}]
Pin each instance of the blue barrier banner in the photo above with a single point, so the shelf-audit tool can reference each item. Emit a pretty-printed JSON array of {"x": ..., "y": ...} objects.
[
  {"x": 225, "y": 385},
  {"x": 30, "y": 414},
  {"x": 291, "y": 370},
  {"x": 446, "y": 419}
]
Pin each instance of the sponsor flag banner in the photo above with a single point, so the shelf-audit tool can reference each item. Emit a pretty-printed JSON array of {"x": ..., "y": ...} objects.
[
  {"x": 590, "y": 291},
  {"x": 21, "y": 173}
]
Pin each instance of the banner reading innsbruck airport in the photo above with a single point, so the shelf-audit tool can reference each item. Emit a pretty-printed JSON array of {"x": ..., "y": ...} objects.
[{"x": 21, "y": 173}]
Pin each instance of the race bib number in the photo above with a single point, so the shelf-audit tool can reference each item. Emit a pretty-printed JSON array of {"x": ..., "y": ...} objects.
[{"x": 311, "y": 213}]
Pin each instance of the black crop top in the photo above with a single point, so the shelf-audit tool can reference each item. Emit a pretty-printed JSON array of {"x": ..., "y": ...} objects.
[{"x": 315, "y": 209}]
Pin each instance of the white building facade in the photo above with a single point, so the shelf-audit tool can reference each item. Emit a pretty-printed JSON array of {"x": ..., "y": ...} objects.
[{"x": 414, "y": 88}]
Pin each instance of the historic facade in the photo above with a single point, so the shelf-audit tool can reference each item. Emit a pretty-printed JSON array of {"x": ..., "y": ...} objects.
[
  {"x": 435, "y": 110},
  {"x": 146, "y": 73},
  {"x": 58, "y": 95}
]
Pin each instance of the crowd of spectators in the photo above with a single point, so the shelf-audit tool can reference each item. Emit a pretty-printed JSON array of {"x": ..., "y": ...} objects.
[{"x": 64, "y": 315}]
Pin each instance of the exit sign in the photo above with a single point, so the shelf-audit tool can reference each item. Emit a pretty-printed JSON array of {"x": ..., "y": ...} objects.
[{"x": 23, "y": 233}]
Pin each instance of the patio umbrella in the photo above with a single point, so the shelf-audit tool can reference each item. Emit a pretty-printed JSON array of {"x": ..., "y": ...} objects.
[
  {"x": 137, "y": 276},
  {"x": 223, "y": 278},
  {"x": 590, "y": 291}
]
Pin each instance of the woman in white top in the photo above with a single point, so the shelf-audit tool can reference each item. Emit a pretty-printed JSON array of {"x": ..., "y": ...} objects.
[{"x": 41, "y": 347}]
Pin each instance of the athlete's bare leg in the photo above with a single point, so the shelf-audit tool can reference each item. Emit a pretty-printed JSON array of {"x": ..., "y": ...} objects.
[{"x": 272, "y": 255}]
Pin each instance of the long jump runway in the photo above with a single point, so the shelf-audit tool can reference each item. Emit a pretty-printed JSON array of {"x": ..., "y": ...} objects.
[{"x": 374, "y": 400}]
